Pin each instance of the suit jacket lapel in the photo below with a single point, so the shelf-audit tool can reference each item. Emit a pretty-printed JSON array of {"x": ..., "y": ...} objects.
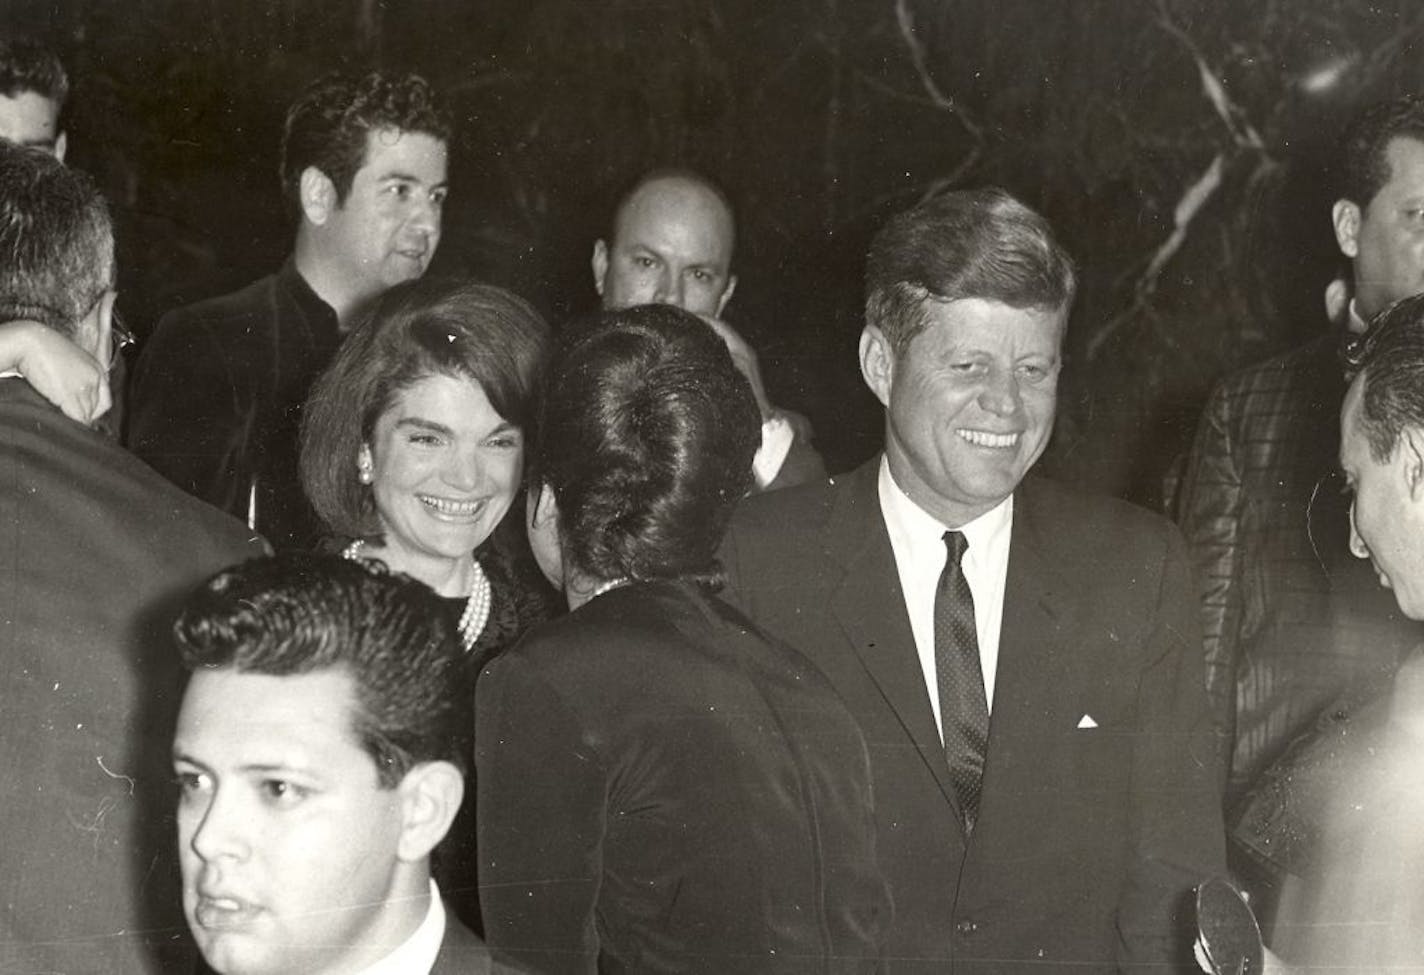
[
  {"x": 1036, "y": 680},
  {"x": 870, "y": 607}
]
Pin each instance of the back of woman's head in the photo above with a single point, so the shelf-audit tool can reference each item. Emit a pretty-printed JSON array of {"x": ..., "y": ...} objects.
[
  {"x": 645, "y": 434},
  {"x": 423, "y": 328}
]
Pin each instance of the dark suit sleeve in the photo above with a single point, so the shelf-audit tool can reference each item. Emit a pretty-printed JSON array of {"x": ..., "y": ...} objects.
[
  {"x": 1209, "y": 512},
  {"x": 540, "y": 811},
  {"x": 1177, "y": 832},
  {"x": 188, "y": 416}
]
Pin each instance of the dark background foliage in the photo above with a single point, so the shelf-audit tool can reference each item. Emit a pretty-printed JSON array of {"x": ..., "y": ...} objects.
[{"x": 1180, "y": 146}]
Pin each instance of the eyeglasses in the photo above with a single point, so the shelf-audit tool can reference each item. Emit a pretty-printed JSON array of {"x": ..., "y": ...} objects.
[{"x": 120, "y": 338}]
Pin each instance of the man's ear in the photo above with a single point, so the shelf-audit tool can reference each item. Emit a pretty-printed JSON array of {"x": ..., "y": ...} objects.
[
  {"x": 877, "y": 363},
  {"x": 61, "y": 143},
  {"x": 317, "y": 194},
  {"x": 726, "y": 294},
  {"x": 599, "y": 263},
  {"x": 1346, "y": 215},
  {"x": 1410, "y": 449},
  {"x": 430, "y": 797}
]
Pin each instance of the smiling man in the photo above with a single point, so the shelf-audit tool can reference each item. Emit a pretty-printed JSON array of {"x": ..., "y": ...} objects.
[
  {"x": 217, "y": 396},
  {"x": 1022, "y": 658},
  {"x": 318, "y": 768}
]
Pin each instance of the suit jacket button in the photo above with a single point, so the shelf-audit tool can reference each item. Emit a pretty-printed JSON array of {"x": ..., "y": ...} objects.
[{"x": 966, "y": 927}]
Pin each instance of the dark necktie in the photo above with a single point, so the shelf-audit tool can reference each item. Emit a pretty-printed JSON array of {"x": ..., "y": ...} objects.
[{"x": 963, "y": 707}]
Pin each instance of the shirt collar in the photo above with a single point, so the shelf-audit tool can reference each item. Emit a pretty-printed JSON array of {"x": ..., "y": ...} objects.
[
  {"x": 918, "y": 530},
  {"x": 417, "y": 953},
  {"x": 320, "y": 318},
  {"x": 1355, "y": 322}
]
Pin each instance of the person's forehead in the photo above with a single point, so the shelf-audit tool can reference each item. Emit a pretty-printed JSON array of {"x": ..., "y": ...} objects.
[
  {"x": 410, "y": 152},
  {"x": 232, "y": 718},
  {"x": 28, "y": 117},
  {"x": 676, "y": 206}
]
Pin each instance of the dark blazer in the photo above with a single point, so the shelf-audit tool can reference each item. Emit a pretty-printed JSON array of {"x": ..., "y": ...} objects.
[
  {"x": 95, "y": 552},
  {"x": 1087, "y": 836},
  {"x": 463, "y": 953},
  {"x": 663, "y": 789},
  {"x": 217, "y": 397},
  {"x": 1291, "y": 618}
]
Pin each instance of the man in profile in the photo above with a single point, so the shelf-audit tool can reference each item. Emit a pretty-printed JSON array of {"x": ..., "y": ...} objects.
[
  {"x": 317, "y": 763},
  {"x": 217, "y": 395},
  {"x": 95, "y": 550},
  {"x": 1023, "y": 658},
  {"x": 671, "y": 243},
  {"x": 33, "y": 87}
]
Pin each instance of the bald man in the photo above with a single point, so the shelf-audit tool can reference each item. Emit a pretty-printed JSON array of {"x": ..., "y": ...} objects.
[{"x": 671, "y": 244}]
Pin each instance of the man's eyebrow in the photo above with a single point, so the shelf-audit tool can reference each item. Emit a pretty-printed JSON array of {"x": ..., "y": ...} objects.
[{"x": 405, "y": 177}]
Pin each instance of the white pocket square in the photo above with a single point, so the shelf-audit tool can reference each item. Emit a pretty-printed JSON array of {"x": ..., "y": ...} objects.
[{"x": 1086, "y": 721}]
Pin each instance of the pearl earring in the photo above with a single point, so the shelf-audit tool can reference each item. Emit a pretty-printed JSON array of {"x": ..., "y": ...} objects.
[{"x": 363, "y": 473}]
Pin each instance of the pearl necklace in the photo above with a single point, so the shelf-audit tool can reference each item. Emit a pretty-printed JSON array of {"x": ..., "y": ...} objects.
[{"x": 477, "y": 606}]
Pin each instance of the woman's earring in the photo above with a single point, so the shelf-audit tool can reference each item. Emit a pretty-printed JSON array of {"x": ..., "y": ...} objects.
[{"x": 363, "y": 472}]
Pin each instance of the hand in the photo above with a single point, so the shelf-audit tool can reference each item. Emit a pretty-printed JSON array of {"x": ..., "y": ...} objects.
[
  {"x": 800, "y": 424},
  {"x": 59, "y": 370},
  {"x": 745, "y": 359}
]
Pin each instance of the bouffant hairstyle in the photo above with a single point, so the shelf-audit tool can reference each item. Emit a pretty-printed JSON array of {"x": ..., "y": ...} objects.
[
  {"x": 423, "y": 328},
  {"x": 979, "y": 243},
  {"x": 304, "y": 613},
  {"x": 645, "y": 435}
]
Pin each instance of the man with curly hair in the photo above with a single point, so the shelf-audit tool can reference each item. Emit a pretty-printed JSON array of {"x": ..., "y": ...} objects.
[{"x": 216, "y": 399}]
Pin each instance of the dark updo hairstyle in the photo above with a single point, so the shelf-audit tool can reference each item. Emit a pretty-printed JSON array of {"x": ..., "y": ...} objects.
[
  {"x": 429, "y": 327},
  {"x": 645, "y": 434}
]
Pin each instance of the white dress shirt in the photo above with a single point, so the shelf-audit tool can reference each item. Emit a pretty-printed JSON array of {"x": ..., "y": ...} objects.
[
  {"x": 917, "y": 539},
  {"x": 416, "y": 954}
]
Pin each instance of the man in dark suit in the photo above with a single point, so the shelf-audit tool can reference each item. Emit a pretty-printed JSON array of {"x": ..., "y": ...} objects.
[
  {"x": 95, "y": 549},
  {"x": 318, "y": 766},
  {"x": 217, "y": 395},
  {"x": 1045, "y": 769}
]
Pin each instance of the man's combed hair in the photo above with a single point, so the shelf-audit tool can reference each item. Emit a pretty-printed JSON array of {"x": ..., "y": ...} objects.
[
  {"x": 1365, "y": 147},
  {"x": 306, "y": 613},
  {"x": 423, "y": 328},
  {"x": 56, "y": 241},
  {"x": 327, "y": 124},
  {"x": 27, "y": 65},
  {"x": 979, "y": 243},
  {"x": 1393, "y": 365},
  {"x": 646, "y": 434}
]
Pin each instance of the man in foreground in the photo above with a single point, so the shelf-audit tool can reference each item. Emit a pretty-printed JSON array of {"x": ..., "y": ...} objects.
[
  {"x": 1023, "y": 659},
  {"x": 317, "y": 767}
]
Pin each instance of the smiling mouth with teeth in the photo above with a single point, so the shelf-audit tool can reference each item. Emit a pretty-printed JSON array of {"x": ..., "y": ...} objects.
[
  {"x": 982, "y": 438},
  {"x": 459, "y": 509}
]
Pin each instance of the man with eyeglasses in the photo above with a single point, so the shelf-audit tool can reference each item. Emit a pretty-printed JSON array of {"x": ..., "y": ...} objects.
[{"x": 94, "y": 549}]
